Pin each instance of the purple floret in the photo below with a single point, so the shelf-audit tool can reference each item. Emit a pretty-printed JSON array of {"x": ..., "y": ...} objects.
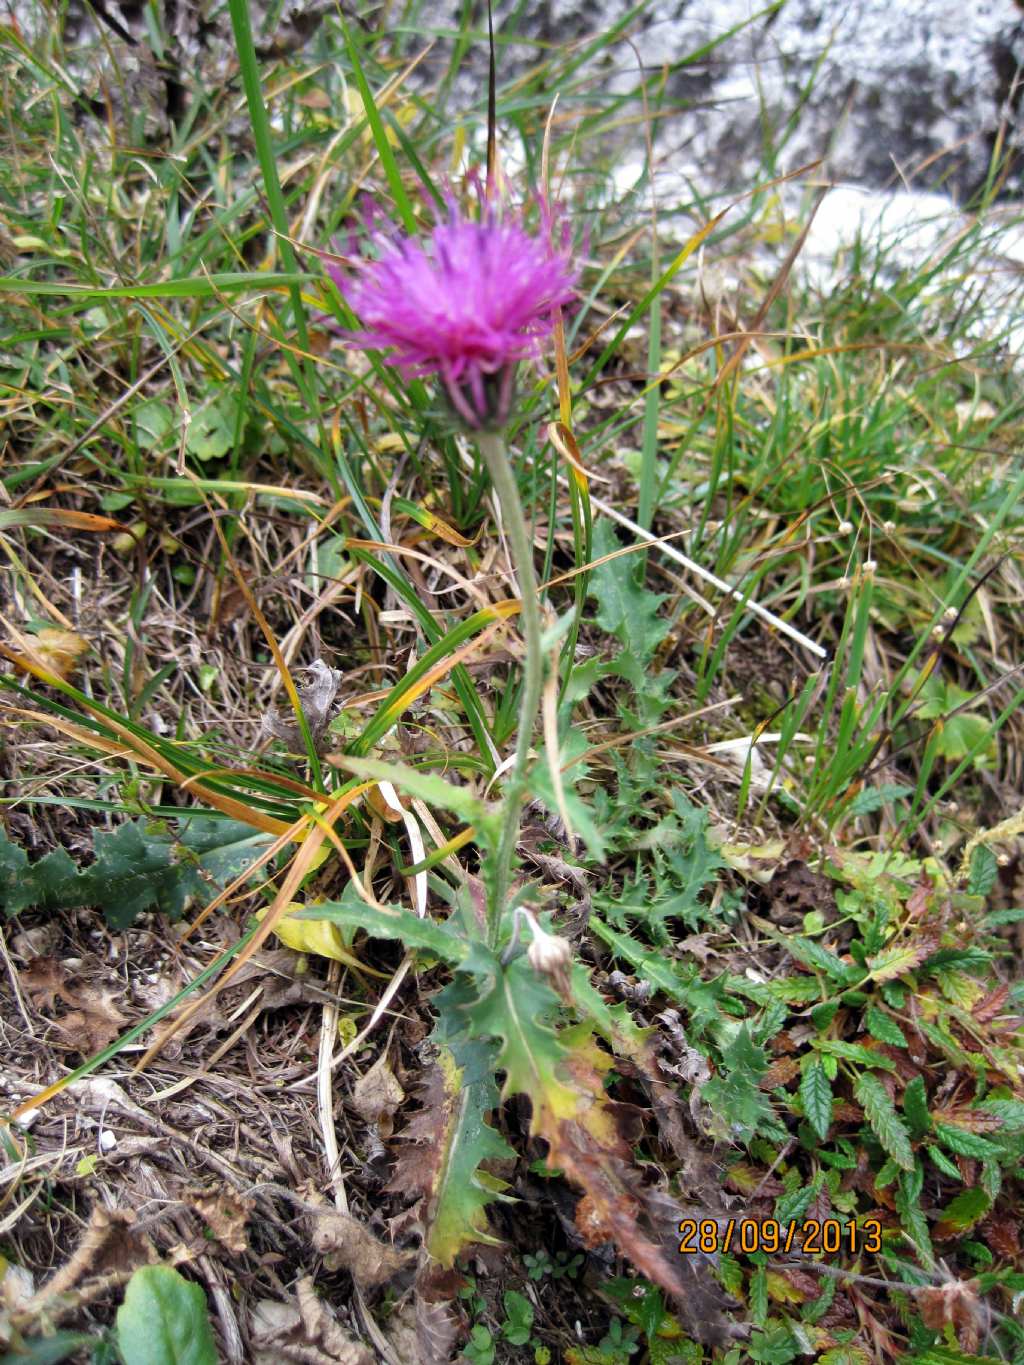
[{"x": 467, "y": 303}]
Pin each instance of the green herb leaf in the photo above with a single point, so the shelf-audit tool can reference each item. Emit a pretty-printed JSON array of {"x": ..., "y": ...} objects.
[
  {"x": 915, "y": 1107},
  {"x": 816, "y": 1098},
  {"x": 885, "y": 1123},
  {"x": 164, "y": 1321},
  {"x": 884, "y": 1027}
]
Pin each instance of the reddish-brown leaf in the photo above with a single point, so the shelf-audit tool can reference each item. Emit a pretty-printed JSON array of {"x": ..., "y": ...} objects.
[
  {"x": 1002, "y": 1234},
  {"x": 990, "y": 1005}
]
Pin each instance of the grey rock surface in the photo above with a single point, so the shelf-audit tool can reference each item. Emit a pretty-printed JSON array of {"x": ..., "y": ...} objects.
[{"x": 888, "y": 92}]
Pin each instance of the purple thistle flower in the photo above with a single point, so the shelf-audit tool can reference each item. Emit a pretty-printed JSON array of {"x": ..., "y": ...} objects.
[{"x": 467, "y": 303}]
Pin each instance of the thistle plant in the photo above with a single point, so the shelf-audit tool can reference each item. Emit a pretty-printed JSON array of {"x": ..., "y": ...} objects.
[{"x": 467, "y": 304}]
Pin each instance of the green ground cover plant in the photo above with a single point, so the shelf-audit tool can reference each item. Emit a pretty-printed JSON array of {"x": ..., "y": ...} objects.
[{"x": 459, "y": 836}]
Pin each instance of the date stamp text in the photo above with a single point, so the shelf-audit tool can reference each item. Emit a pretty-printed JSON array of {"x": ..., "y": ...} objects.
[{"x": 810, "y": 1237}]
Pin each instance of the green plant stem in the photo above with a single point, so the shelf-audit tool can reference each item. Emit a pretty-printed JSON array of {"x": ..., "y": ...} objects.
[{"x": 492, "y": 448}]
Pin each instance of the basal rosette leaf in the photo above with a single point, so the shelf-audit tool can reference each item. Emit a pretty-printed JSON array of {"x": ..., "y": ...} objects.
[
  {"x": 514, "y": 1006},
  {"x": 562, "y": 1075},
  {"x": 137, "y": 868},
  {"x": 443, "y": 1148}
]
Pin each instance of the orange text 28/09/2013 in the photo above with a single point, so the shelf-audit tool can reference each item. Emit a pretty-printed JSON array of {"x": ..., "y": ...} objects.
[{"x": 811, "y": 1237}]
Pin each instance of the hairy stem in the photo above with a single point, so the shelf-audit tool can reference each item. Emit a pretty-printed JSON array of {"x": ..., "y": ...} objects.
[{"x": 492, "y": 448}]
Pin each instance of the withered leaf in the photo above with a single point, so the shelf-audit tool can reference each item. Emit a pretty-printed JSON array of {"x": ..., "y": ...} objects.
[
  {"x": 306, "y": 1333},
  {"x": 641, "y": 1220},
  {"x": 955, "y": 1303},
  {"x": 377, "y": 1095},
  {"x": 317, "y": 687},
  {"x": 345, "y": 1244},
  {"x": 443, "y": 1147},
  {"x": 95, "y": 1024},
  {"x": 225, "y": 1213},
  {"x": 44, "y": 981}
]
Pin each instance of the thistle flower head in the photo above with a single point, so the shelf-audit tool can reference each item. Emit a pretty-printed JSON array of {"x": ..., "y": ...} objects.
[{"x": 467, "y": 303}]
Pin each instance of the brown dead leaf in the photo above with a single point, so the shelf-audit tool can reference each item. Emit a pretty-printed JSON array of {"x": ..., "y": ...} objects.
[
  {"x": 881, "y": 1339},
  {"x": 225, "y": 1213},
  {"x": 421, "y": 1169},
  {"x": 59, "y": 650},
  {"x": 423, "y": 1332},
  {"x": 306, "y": 1333},
  {"x": 346, "y": 1244},
  {"x": 989, "y": 1005},
  {"x": 316, "y": 687},
  {"x": 377, "y": 1095},
  {"x": 94, "y": 1024},
  {"x": 273, "y": 970},
  {"x": 973, "y": 1120},
  {"x": 745, "y": 1179},
  {"x": 38, "y": 941},
  {"x": 641, "y": 1220},
  {"x": 806, "y": 1284},
  {"x": 796, "y": 889},
  {"x": 780, "y": 1072},
  {"x": 108, "y": 1252},
  {"x": 44, "y": 981},
  {"x": 955, "y": 1303},
  {"x": 93, "y": 1019}
]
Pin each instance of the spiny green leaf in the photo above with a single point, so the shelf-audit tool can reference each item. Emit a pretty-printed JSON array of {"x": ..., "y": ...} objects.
[
  {"x": 393, "y": 922},
  {"x": 678, "y": 982},
  {"x": 578, "y": 810},
  {"x": 625, "y": 610},
  {"x": 881, "y": 1114},
  {"x": 163, "y": 1320},
  {"x": 816, "y": 1098},
  {"x": 734, "y": 1094},
  {"x": 614, "y": 1023},
  {"x": 514, "y": 1006},
  {"x": 134, "y": 869},
  {"x": 444, "y": 1146}
]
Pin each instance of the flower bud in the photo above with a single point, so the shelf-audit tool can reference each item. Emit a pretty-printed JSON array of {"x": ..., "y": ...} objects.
[{"x": 550, "y": 955}]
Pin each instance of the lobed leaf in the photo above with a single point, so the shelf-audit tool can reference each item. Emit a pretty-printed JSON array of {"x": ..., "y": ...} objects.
[
  {"x": 135, "y": 869},
  {"x": 443, "y": 1148}
]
